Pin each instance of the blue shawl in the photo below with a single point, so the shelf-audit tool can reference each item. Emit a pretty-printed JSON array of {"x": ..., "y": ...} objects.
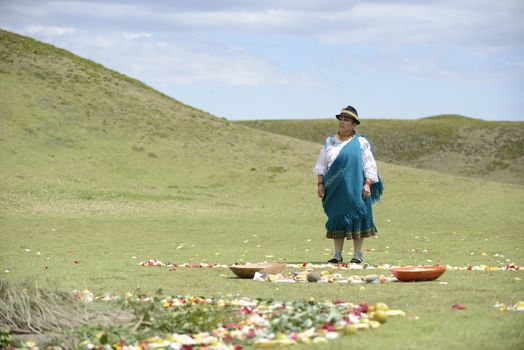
[{"x": 343, "y": 202}]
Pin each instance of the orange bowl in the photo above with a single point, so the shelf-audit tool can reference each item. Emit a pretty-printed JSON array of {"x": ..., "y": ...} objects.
[
  {"x": 249, "y": 270},
  {"x": 418, "y": 273}
]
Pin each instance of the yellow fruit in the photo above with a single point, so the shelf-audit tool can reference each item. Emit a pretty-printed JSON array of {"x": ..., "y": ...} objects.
[
  {"x": 395, "y": 313},
  {"x": 380, "y": 316},
  {"x": 374, "y": 324},
  {"x": 349, "y": 329},
  {"x": 319, "y": 340},
  {"x": 381, "y": 306},
  {"x": 304, "y": 339},
  {"x": 362, "y": 325}
]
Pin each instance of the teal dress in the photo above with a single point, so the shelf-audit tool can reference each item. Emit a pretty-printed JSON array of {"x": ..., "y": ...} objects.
[{"x": 349, "y": 215}]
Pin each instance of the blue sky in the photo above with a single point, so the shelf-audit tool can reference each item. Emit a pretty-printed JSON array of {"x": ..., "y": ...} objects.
[{"x": 249, "y": 59}]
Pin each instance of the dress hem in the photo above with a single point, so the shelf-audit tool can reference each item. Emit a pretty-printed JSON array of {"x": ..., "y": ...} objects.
[{"x": 351, "y": 235}]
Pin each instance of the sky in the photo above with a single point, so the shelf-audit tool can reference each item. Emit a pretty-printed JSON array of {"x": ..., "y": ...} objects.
[{"x": 300, "y": 59}]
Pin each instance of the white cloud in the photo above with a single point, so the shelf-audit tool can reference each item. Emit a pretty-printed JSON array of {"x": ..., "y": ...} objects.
[
  {"x": 158, "y": 61},
  {"x": 437, "y": 39},
  {"x": 48, "y": 31},
  {"x": 393, "y": 24},
  {"x": 380, "y": 22},
  {"x": 135, "y": 36},
  {"x": 186, "y": 64}
]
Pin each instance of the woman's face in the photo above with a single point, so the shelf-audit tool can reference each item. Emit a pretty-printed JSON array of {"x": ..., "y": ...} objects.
[{"x": 346, "y": 125}]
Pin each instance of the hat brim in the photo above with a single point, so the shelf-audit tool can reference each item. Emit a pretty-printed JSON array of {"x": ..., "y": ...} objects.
[{"x": 355, "y": 119}]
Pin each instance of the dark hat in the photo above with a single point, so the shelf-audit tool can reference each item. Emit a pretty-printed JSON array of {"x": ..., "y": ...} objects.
[{"x": 349, "y": 111}]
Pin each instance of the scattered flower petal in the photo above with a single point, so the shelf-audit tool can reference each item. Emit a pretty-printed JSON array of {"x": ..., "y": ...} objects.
[{"x": 458, "y": 307}]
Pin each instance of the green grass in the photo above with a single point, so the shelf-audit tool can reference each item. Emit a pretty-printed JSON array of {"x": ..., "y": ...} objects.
[
  {"x": 448, "y": 143},
  {"x": 78, "y": 183}
]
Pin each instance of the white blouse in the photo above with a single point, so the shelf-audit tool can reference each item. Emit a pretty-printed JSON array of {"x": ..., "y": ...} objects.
[{"x": 332, "y": 147}]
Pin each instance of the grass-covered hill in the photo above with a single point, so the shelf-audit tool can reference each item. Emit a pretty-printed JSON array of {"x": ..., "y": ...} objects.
[
  {"x": 70, "y": 125},
  {"x": 447, "y": 143}
]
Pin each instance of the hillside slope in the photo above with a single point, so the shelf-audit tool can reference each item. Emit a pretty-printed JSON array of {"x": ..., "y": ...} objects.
[
  {"x": 78, "y": 138},
  {"x": 451, "y": 144},
  {"x": 71, "y": 127}
]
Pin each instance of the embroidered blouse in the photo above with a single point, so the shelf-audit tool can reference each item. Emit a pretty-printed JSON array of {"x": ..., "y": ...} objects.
[{"x": 331, "y": 149}]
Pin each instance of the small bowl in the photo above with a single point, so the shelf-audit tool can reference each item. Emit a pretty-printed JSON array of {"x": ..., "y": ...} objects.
[
  {"x": 418, "y": 273},
  {"x": 248, "y": 271}
]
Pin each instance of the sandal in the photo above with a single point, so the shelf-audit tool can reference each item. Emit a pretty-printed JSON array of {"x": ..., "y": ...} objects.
[
  {"x": 335, "y": 261},
  {"x": 356, "y": 261}
]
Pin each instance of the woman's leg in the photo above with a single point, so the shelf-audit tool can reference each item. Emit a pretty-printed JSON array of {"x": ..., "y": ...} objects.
[
  {"x": 357, "y": 250},
  {"x": 357, "y": 246},
  {"x": 339, "y": 245}
]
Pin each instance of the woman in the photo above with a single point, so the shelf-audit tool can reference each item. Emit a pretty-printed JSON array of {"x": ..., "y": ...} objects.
[{"x": 348, "y": 184}]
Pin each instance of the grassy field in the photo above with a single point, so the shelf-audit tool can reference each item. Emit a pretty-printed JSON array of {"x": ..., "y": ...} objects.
[
  {"x": 449, "y": 143},
  {"x": 100, "y": 172}
]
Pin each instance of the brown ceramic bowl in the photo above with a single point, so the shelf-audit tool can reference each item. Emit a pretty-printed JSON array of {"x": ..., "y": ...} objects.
[
  {"x": 418, "y": 273},
  {"x": 248, "y": 271}
]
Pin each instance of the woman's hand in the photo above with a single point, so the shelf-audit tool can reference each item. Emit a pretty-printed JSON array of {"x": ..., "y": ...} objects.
[
  {"x": 321, "y": 190},
  {"x": 366, "y": 191}
]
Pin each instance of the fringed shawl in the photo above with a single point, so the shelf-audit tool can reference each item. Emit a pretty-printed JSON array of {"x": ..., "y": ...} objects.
[{"x": 343, "y": 202}]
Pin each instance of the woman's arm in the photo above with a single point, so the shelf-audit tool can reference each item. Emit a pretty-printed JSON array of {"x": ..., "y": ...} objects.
[
  {"x": 320, "y": 186},
  {"x": 321, "y": 164},
  {"x": 320, "y": 170},
  {"x": 369, "y": 165}
]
